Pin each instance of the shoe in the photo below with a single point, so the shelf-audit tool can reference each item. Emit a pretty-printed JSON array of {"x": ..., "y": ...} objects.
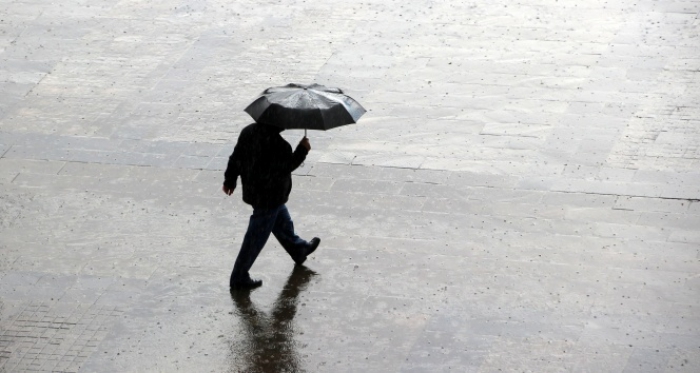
[
  {"x": 248, "y": 283},
  {"x": 313, "y": 244}
]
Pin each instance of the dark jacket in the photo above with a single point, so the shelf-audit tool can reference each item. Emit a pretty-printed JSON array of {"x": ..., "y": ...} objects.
[{"x": 264, "y": 161}]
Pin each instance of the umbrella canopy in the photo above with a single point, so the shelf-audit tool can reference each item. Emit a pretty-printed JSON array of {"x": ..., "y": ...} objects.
[{"x": 299, "y": 106}]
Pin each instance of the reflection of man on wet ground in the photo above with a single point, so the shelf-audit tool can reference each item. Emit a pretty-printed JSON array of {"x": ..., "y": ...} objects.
[
  {"x": 269, "y": 345},
  {"x": 265, "y": 161}
]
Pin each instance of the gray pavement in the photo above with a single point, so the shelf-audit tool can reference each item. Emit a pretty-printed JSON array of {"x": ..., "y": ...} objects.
[{"x": 523, "y": 194}]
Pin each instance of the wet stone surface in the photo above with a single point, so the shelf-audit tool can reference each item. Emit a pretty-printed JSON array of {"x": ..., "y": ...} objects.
[{"x": 522, "y": 195}]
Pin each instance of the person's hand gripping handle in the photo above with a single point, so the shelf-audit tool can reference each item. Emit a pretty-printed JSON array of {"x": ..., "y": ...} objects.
[{"x": 305, "y": 143}]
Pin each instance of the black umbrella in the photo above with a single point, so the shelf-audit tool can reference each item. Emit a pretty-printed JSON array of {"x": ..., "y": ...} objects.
[{"x": 298, "y": 106}]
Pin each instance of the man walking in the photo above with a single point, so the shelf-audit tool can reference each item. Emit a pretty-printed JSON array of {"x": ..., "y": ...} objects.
[{"x": 265, "y": 161}]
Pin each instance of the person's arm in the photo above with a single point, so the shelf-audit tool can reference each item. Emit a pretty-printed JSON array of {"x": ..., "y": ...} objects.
[
  {"x": 232, "y": 170},
  {"x": 300, "y": 153}
]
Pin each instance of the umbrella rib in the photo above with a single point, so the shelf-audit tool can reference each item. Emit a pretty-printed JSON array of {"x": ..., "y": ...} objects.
[
  {"x": 313, "y": 98},
  {"x": 352, "y": 106}
]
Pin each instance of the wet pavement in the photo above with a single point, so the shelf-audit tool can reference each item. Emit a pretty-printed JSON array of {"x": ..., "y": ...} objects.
[{"x": 522, "y": 195}]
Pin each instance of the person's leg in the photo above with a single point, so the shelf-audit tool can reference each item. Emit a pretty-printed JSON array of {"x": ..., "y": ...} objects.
[
  {"x": 284, "y": 232},
  {"x": 295, "y": 246},
  {"x": 259, "y": 228}
]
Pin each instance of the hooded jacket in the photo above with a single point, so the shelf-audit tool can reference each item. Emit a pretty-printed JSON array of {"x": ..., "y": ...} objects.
[{"x": 264, "y": 161}]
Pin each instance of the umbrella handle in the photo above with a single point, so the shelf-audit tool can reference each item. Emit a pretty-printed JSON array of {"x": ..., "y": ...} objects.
[{"x": 302, "y": 163}]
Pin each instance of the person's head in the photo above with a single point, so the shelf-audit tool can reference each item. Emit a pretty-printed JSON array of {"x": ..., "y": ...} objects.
[{"x": 271, "y": 127}]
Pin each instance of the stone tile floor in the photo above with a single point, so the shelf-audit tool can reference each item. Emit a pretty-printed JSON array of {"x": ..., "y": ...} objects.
[{"x": 523, "y": 194}]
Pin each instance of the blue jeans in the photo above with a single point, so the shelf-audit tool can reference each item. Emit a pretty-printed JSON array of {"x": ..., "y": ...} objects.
[{"x": 263, "y": 222}]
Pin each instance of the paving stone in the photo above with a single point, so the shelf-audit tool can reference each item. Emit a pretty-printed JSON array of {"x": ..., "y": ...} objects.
[
  {"x": 676, "y": 221},
  {"x": 435, "y": 191},
  {"x": 579, "y": 186},
  {"x": 349, "y": 172},
  {"x": 524, "y": 210},
  {"x": 505, "y": 195},
  {"x": 603, "y": 215},
  {"x": 652, "y": 204},
  {"x": 217, "y": 163},
  {"x": 471, "y": 179},
  {"x": 366, "y": 187},
  {"x": 542, "y": 183},
  {"x": 682, "y": 361},
  {"x": 685, "y": 236},
  {"x": 694, "y": 207},
  {"x": 193, "y": 162},
  {"x": 313, "y": 183},
  {"x": 4, "y": 148},
  {"x": 94, "y": 170},
  {"x": 408, "y": 162},
  {"x": 338, "y": 157},
  {"x": 453, "y": 206},
  {"x": 632, "y": 232},
  {"x": 409, "y": 175},
  {"x": 447, "y": 351},
  {"x": 30, "y": 166}
]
